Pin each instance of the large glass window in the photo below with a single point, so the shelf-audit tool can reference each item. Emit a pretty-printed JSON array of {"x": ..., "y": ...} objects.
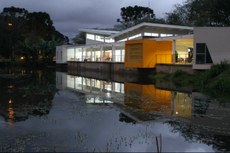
[
  {"x": 90, "y": 36},
  {"x": 109, "y": 40},
  {"x": 202, "y": 54},
  {"x": 70, "y": 54},
  {"x": 78, "y": 54},
  {"x": 99, "y": 38}
]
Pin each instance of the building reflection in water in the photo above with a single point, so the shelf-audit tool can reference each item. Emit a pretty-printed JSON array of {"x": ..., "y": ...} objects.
[
  {"x": 182, "y": 104},
  {"x": 142, "y": 98},
  {"x": 148, "y": 98},
  {"x": 141, "y": 102}
]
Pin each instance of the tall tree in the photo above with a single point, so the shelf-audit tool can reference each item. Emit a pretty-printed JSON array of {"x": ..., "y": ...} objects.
[
  {"x": 31, "y": 34},
  {"x": 39, "y": 30},
  {"x": 179, "y": 16},
  {"x": 131, "y": 16},
  {"x": 12, "y": 21},
  {"x": 80, "y": 38},
  {"x": 201, "y": 13}
]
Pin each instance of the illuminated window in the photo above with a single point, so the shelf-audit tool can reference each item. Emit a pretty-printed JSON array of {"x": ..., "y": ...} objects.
[
  {"x": 123, "y": 40},
  {"x": 169, "y": 35},
  {"x": 151, "y": 34},
  {"x": 90, "y": 36},
  {"x": 147, "y": 34},
  {"x": 100, "y": 38},
  {"x": 135, "y": 36},
  {"x": 109, "y": 40},
  {"x": 163, "y": 35},
  {"x": 70, "y": 54}
]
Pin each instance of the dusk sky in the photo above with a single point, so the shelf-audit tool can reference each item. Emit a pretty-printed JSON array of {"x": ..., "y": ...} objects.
[{"x": 70, "y": 15}]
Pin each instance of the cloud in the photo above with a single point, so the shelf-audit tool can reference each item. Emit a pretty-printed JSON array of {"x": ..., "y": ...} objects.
[{"x": 69, "y": 15}]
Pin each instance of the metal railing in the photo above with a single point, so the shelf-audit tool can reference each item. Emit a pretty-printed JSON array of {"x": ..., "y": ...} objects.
[
  {"x": 173, "y": 59},
  {"x": 117, "y": 58}
]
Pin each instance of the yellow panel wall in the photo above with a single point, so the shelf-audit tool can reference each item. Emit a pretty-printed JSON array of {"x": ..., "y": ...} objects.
[
  {"x": 164, "y": 51},
  {"x": 149, "y": 53},
  {"x": 146, "y": 53},
  {"x": 133, "y": 54}
]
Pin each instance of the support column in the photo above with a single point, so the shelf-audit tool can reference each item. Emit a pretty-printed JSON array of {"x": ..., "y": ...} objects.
[
  {"x": 112, "y": 86},
  {"x": 91, "y": 55},
  {"x": 113, "y": 53},
  {"x": 174, "y": 51},
  {"x": 81, "y": 83},
  {"x": 101, "y": 49},
  {"x": 103, "y": 54},
  {"x": 142, "y": 35},
  {"x": 74, "y": 54},
  {"x": 82, "y": 55}
]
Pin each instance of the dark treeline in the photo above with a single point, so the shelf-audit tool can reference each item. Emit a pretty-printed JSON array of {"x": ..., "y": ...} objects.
[
  {"x": 28, "y": 36},
  {"x": 201, "y": 13}
]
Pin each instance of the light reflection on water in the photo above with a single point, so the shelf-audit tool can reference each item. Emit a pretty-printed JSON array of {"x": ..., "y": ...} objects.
[{"x": 87, "y": 114}]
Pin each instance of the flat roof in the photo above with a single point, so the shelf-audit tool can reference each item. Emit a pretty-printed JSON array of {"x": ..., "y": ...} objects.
[
  {"x": 153, "y": 25},
  {"x": 101, "y": 32}
]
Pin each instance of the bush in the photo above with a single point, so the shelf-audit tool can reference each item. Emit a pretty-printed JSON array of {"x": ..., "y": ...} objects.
[{"x": 218, "y": 69}]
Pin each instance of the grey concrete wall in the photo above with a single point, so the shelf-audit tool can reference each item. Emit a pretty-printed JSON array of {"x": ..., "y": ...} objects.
[
  {"x": 217, "y": 40},
  {"x": 171, "y": 68}
]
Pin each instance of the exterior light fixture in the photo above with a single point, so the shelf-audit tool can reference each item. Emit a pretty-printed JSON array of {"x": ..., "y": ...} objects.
[
  {"x": 10, "y": 24},
  {"x": 10, "y": 101}
]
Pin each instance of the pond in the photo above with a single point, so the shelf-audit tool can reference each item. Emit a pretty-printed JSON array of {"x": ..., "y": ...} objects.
[{"x": 49, "y": 111}]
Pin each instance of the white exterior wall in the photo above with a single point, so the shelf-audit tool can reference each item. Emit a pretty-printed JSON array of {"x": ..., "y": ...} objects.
[
  {"x": 61, "y": 54},
  {"x": 217, "y": 40}
]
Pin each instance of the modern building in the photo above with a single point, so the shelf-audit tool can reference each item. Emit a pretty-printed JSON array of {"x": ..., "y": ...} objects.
[{"x": 148, "y": 44}]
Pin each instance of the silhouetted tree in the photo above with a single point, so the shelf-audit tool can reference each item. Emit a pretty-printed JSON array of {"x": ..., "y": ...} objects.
[
  {"x": 80, "y": 38},
  {"x": 131, "y": 16},
  {"x": 29, "y": 34},
  {"x": 201, "y": 13}
]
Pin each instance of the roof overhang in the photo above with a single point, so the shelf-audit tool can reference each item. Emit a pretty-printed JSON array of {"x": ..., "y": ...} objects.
[
  {"x": 100, "y": 32},
  {"x": 154, "y": 25}
]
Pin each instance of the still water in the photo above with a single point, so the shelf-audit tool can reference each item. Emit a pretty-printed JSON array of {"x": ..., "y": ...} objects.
[{"x": 45, "y": 110}]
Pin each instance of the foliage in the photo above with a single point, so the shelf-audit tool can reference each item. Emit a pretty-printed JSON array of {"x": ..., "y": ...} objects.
[
  {"x": 215, "y": 81},
  {"x": 131, "y": 16},
  {"x": 158, "y": 76},
  {"x": 201, "y": 13},
  {"x": 179, "y": 16},
  {"x": 80, "y": 38},
  {"x": 29, "y": 34}
]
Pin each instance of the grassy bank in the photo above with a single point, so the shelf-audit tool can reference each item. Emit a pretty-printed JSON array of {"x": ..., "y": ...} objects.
[{"x": 215, "y": 81}]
